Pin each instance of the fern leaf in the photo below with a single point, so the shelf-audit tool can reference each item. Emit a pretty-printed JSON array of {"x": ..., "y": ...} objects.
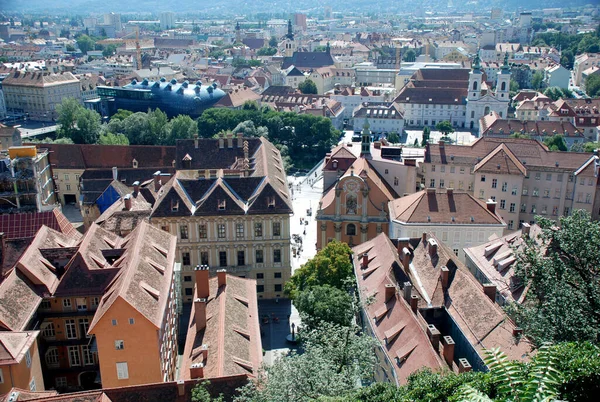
[
  {"x": 505, "y": 371},
  {"x": 469, "y": 394},
  {"x": 544, "y": 380}
]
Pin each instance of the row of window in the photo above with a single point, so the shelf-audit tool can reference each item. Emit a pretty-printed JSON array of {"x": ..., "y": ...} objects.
[
  {"x": 67, "y": 304},
  {"x": 543, "y": 210},
  {"x": 79, "y": 355},
  {"x": 221, "y": 204},
  {"x": 184, "y": 233},
  {"x": 452, "y": 169},
  {"x": 261, "y": 288},
  {"x": 461, "y": 185},
  {"x": 241, "y": 257}
]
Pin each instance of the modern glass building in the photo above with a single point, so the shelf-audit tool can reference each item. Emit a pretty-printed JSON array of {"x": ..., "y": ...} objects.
[{"x": 171, "y": 97}]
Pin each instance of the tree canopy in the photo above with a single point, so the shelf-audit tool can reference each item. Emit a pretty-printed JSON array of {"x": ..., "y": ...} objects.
[
  {"x": 85, "y": 43},
  {"x": 445, "y": 127},
  {"x": 324, "y": 303},
  {"x": 556, "y": 143},
  {"x": 562, "y": 270},
  {"x": 308, "y": 87},
  {"x": 330, "y": 266},
  {"x": 592, "y": 85},
  {"x": 393, "y": 137},
  {"x": 77, "y": 123}
]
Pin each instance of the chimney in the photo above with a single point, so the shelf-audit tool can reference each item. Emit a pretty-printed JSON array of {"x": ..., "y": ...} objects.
[
  {"x": 222, "y": 277},
  {"x": 390, "y": 291},
  {"x": 402, "y": 243},
  {"x": 221, "y": 141},
  {"x": 240, "y": 140},
  {"x": 490, "y": 291},
  {"x": 448, "y": 349},
  {"x": 196, "y": 141},
  {"x": 406, "y": 258},
  {"x": 202, "y": 289},
  {"x": 525, "y": 229},
  {"x": 434, "y": 336},
  {"x": 441, "y": 145},
  {"x": 115, "y": 173},
  {"x": 197, "y": 370},
  {"x": 127, "y": 201},
  {"x": 449, "y": 191},
  {"x": 157, "y": 183},
  {"x": 136, "y": 187},
  {"x": 432, "y": 247},
  {"x": 200, "y": 313},
  {"x": 463, "y": 365},
  {"x": 365, "y": 260},
  {"x": 424, "y": 239},
  {"x": 414, "y": 303},
  {"x": 445, "y": 276},
  {"x": 491, "y": 206},
  {"x": 517, "y": 331},
  {"x": 407, "y": 291},
  {"x": 229, "y": 140},
  {"x": 204, "y": 352},
  {"x": 180, "y": 387},
  {"x": 430, "y": 191}
]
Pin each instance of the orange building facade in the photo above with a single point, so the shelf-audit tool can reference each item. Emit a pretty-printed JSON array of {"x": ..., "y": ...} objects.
[{"x": 20, "y": 362}]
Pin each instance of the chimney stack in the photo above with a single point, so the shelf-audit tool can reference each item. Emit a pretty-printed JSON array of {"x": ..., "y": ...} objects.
[
  {"x": 180, "y": 387},
  {"x": 490, "y": 291},
  {"x": 197, "y": 370},
  {"x": 448, "y": 349},
  {"x": 525, "y": 229},
  {"x": 202, "y": 289},
  {"x": 200, "y": 313},
  {"x": 406, "y": 258},
  {"x": 127, "y": 202},
  {"x": 136, "y": 187},
  {"x": 449, "y": 191},
  {"x": 229, "y": 140},
  {"x": 115, "y": 173},
  {"x": 240, "y": 140},
  {"x": 407, "y": 291},
  {"x": 441, "y": 144},
  {"x": 221, "y": 141},
  {"x": 434, "y": 336},
  {"x": 365, "y": 260},
  {"x": 390, "y": 291},
  {"x": 157, "y": 183},
  {"x": 402, "y": 243},
  {"x": 432, "y": 247},
  {"x": 463, "y": 365},
  {"x": 196, "y": 141},
  {"x": 491, "y": 206},
  {"x": 445, "y": 276},
  {"x": 414, "y": 303},
  {"x": 517, "y": 331},
  {"x": 222, "y": 277},
  {"x": 424, "y": 239}
]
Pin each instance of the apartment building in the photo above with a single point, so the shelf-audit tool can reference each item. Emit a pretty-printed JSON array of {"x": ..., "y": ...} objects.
[
  {"x": 522, "y": 176},
  {"x": 382, "y": 118},
  {"x": 230, "y": 208},
  {"x": 27, "y": 184},
  {"x": 39, "y": 93}
]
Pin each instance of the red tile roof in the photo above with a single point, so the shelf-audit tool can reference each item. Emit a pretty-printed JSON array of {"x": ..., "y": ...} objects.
[{"x": 25, "y": 225}]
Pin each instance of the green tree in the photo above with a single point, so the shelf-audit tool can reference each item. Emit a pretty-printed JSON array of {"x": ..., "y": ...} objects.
[
  {"x": 180, "y": 128},
  {"x": 65, "y": 33},
  {"x": 112, "y": 139},
  {"x": 109, "y": 50},
  {"x": 393, "y": 137},
  {"x": 324, "y": 303},
  {"x": 562, "y": 271},
  {"x": 121, "y": 114},
  {"x": 445, "y": 127},
  {"x": 330, "y": 266},
  {"x": 556, "y": 143},
  {"x": 410, "y": 56},
  {"x": 536, "y": 80},
  {"x": 514, "y": 87},
  {"x": 591, "y": 146},
  {"x": 85, "y": 43},
  {"x": 518, "y": 134},
  {"x": 426, "y": 133},
  {"x": 416, "y": 143},
  {"x": 273, "y": 42},
  {"x": 266, "y": 51},
  {"x": 70, "y": 48},
  {"x": 79, "y": 124},
  {"x": 592, "y": 85},
  {"x": 308, "y": 87},
  {"x": 200, "y": 393},
  {"x": 334, "y": 361}
]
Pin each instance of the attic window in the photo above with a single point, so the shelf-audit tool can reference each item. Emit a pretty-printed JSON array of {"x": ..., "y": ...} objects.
[
  {"x": 222, "y": 204},
  {"x": 135, "y": 164},
  {"x": 174, "y": 205},
  {"x": 151, "y": 291},
  {"x": 271, "y": 202},
  {"x": 157, "y": 266},
  {"x": 242, "y": 332},
  {"x": 160, "y": 250}
]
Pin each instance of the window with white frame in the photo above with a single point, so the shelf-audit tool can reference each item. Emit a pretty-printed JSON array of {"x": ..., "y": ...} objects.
[
  {"x": 95, "y": 301},
  {"x": 52, "y": 357},
  {"x": 28, "y": 358},
  {"x": 84, "y": 324},
  {"x": 88, "y": 356},
  {"x": 74, "y": 357},
  {"x": 122, "y": 371},
  {"x": 32, "y": 386},
  {"x": 70, "y": 329},
  {"x": 60, "y": 382},
  {"x": 119, "y": 344},
  {"x": 81, "y": 304},
  {"x": 67, "y": 304},
  {"x": 48, "y": 330}
]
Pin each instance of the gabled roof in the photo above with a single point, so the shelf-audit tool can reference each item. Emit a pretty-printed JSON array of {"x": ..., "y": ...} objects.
[
  {"x": 145, "y": 276},
  {"x": 444, "y": 207},
  {"x": 303, "y": 60},
  {"x": 501, "y": 161},
  {"x": 14, "y": 345},
  {"x": 398, "y": 330},
  {"x": 232, "y": 333},
  {"x": 18, "y": 301}
]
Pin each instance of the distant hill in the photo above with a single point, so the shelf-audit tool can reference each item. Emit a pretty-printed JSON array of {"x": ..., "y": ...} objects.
[{"x": 231, "y": 7}]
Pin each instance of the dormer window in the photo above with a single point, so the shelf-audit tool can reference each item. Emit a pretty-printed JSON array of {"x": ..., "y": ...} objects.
[
  {"x": 135, "y": 164},
  {"x": 174, "y": 205},
  {"x": 222, "y": 204},
  {"x": 271, "y": 202}
]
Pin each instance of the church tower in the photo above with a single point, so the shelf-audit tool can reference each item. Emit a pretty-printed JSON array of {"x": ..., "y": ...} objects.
[
  {"x": 290, "y": 44},
  {"x": 365, "y": 146},
  {"x": 503, "y": 82},
  {"x": 475, "y": 80},
  {"x": 238, "y": 33}
]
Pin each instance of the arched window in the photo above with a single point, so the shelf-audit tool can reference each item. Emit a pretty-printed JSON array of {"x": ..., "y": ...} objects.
[
  {"x": 351, "y": 204},
  {"x": 351, "y": 229},
  {"x": 474, "y": 85},
  {"x": 487, "y": 110},
  {"x": 503, "y": 86}
]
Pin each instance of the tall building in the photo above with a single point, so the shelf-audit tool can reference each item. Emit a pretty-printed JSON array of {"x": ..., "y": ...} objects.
[
  {"x": 39, "y": 93},
  {"x": 230, "y": 207},
  {"x": 167, "y": 20},
  {"x": 300, "y": 21}
]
